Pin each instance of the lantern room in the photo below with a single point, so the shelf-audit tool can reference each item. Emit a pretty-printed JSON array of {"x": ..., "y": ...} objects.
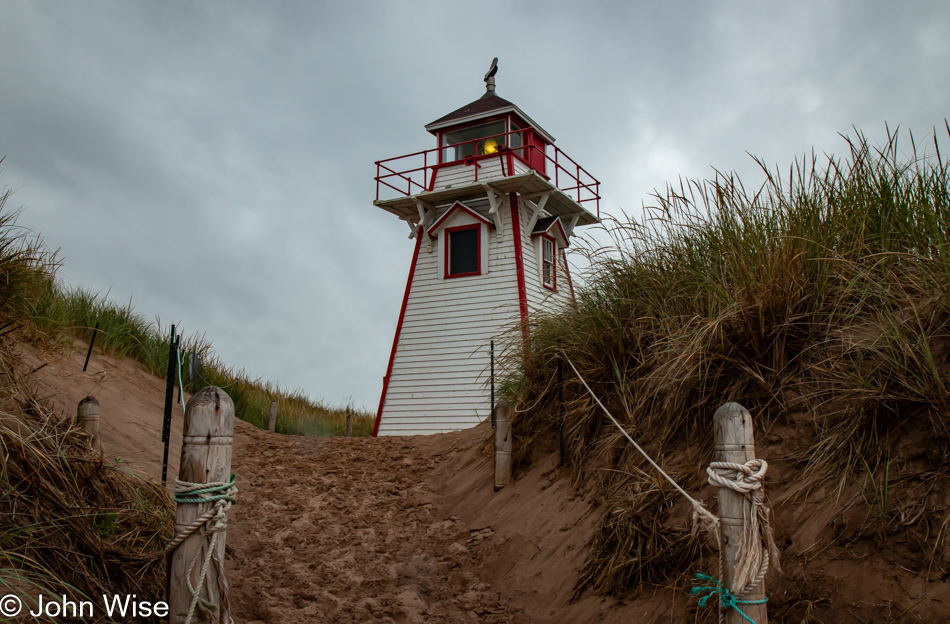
[
  {"x": 492, "y": 207},
  {"x": 491, "y": 125}
]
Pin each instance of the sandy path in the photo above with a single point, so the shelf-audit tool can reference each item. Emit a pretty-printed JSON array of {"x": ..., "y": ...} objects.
[{"x": 346, "y": 530}]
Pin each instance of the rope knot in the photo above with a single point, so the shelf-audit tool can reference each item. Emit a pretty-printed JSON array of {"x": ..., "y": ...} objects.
[
  {"x": 726, "y": 598},
  {"x": 757, "y": 545},
  {"x": 221, "y": 495}
]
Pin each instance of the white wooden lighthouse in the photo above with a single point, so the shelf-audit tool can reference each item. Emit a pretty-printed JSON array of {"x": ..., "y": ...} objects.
[{"x": 491, "y": 208}]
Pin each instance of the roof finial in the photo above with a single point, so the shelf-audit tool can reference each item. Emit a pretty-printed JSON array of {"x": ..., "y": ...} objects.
[{"x": 490, "y": 78}]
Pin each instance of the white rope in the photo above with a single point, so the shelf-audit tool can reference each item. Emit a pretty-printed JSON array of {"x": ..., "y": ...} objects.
[
  {"x": 757, "y": 544},
  {"x": 215, "y": 518},
  {"x": 700, "y": 513}
]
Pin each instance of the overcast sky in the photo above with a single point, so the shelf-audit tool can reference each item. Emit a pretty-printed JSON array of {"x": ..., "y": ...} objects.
[{"x": 214, "y": 160}]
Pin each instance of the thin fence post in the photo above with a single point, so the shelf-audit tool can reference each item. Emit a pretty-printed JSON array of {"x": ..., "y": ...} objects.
[
  {"x": 194, "y": 370},
  {"x": 734, "y": 442},
  {"x": 349, "y": 423},
  {"x": 87, "y": 417},
  {"x": 92, "y": 341},
  {"x": 205, "y": 458},
  {"x": 177, "y": 367},
  {"x": 169, "y": 399},
  {"x": 503, "y": 436},
  {"x": 272, "y": 421}
]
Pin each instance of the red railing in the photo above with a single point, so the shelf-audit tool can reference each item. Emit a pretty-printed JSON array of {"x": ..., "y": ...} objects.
[{"x": 413, "y": 173}]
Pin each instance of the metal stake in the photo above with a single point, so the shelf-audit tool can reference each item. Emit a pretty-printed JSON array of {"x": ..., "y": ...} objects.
[
  {"x": 169, "y": 396},
  {"x": 92, "y": 341}
]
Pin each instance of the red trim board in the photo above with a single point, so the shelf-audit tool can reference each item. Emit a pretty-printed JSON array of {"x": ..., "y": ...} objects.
[
  {"x": 519, "y": 264},
  {"x": 402, "y": 315},
  {"x": 567, "y": 272}
]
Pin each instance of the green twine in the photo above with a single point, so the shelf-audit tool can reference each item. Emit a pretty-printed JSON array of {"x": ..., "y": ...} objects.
[
  {"x": 726, "y": 599},
  {"x": 218, "y": 492}
]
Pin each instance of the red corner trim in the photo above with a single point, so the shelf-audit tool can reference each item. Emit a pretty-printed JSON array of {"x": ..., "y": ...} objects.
[
  {"x": 567, "y": 272},
  {"x": 519, "y": 264},
  {"x": 402, "y": 315}
]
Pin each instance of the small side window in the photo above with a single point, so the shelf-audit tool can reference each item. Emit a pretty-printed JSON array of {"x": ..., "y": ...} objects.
[
  {"x": 462, "y": 251},
  {"x": 548, "y": 263}
]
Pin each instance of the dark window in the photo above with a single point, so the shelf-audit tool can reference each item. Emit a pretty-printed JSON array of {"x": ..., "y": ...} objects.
[{"x": 463, "y": 252}]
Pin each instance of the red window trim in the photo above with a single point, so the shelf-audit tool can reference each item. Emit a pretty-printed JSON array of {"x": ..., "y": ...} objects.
[
  {"x": 478, "y": 250},
  {"x": 543, "y": 238}
]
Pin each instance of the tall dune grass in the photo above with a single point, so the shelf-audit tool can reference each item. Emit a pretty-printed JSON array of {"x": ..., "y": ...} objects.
[
  {"x": 70, "y": 523},
  {"x": 823, "y": 292},
  {"x": 73, "y": 313}
]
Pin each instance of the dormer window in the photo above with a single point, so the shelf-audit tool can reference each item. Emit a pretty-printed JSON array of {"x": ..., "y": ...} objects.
[
  {"x": 549, "y": 238},
  {"x": 462, "y": 251},
  {"x": 473, "y": 141},
  {"x": 463, "y": 241}
]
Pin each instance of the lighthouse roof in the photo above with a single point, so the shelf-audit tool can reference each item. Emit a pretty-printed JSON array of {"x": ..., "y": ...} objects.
[{"x": 489, "y": 105}]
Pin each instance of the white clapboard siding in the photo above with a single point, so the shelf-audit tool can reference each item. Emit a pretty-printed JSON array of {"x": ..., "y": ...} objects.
[
  {"x": 462, "y": 174},
  {"x": 441, "y": 369},
  {"x": 440, "y": 379}
]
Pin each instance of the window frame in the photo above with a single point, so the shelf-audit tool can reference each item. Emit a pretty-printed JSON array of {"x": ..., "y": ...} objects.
[
  {"x": 549, "y": 239},
  {"x": 447, "y": 257},
  {"x": 443, "y": 148}
]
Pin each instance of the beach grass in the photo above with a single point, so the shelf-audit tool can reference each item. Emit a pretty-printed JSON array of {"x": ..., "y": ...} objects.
[
  {"x": 68, "y": 314},
  {"x": 821, "y": 296}
]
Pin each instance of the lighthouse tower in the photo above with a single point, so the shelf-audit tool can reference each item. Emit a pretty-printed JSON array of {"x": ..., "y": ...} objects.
[{"x": 491, "y": 209}]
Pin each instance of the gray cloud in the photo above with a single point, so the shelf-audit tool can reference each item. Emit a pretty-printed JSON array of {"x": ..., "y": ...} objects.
[{"x": 214, "y": 161}]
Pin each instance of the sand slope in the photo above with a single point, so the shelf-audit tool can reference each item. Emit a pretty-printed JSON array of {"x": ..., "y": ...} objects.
[{"x": 409, "y": 530}]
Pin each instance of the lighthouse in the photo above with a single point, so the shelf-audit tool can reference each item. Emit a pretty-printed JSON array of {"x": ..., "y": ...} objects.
[{"x": 491, "y": 209}]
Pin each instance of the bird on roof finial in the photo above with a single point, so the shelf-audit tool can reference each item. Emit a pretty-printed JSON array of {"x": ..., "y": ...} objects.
[{"x": 490, "y": 78}]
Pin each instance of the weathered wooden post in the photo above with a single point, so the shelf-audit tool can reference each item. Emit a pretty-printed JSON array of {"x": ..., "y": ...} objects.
[
  {"x": 87, "y": 416},
  {"x": 349, "y": 424},
  {"x": 502, "y": 444},
  {"x": 205, "y": 459},
  {"x": 272, "y": 423},
  {"x": 735, "y": 444}
]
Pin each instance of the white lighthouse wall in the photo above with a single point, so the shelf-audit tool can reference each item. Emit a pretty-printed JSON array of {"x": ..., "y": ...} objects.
[
  {"x": 440, "y": 373},
  {"x": 488, "y": 169}
]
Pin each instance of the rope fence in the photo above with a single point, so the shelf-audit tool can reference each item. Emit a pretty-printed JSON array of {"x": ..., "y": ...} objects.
[{"x": 756, "y": 549}]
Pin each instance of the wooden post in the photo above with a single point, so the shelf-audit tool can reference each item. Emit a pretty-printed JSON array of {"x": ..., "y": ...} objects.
[
  {"x": 272, "y": 422},
  {"x": 502, "y": 444},
  {"x": 205, "y": 458},
  {"x": 87, "y": 416},
  {"x": 349, "y": 424},
  {"x": 735, "y": 443}
]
